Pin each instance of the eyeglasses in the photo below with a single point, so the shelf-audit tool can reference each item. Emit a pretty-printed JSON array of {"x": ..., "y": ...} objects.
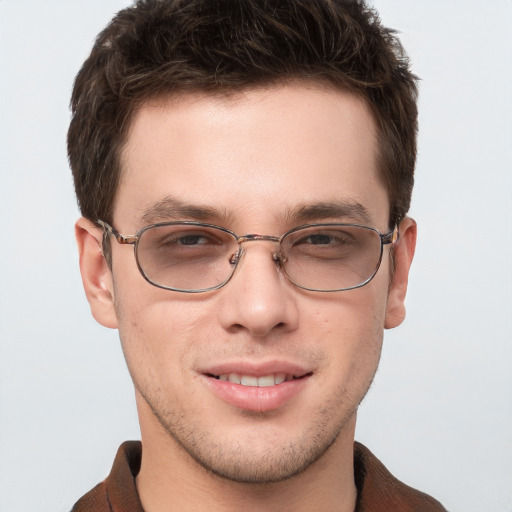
[{"x": 193, "y": 257}]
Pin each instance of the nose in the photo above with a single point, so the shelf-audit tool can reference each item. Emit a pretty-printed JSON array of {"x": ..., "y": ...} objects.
[{"x": 259, "y": 299}]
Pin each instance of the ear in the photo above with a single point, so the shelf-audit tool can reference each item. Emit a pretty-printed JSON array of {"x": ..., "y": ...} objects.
[
  {"x": 96, "y": 275},
  {"x": 403, "y": 254}
]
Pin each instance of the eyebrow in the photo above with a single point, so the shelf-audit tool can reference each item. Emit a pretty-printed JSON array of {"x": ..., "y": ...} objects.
[
  {"x": 336, "y": 210},
  {"x": 172, "y": 208}
]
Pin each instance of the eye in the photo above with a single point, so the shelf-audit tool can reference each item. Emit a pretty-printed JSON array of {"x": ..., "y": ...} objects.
[
  {"x": 327, "y": 243},
  {"x": 329, "y": 238},
  {"x": 184, "y": 239},
  {"x": 195, "y": 239},
  {"x": 317, "y": 239}
]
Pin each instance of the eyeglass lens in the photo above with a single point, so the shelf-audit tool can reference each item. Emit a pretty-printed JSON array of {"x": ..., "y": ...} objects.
[{"x": 197, "y": 258}]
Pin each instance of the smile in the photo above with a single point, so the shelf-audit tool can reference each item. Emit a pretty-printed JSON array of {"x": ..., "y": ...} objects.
[
  {"x": 252, "y": 381},
  {"x": 262, "y": 392}
]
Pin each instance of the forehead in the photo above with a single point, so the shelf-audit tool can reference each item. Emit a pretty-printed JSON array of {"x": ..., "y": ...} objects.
[{"x": 254, "y": 155}]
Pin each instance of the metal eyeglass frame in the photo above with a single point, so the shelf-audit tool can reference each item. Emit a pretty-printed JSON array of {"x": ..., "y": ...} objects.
[{"x": 385, "y": 239}]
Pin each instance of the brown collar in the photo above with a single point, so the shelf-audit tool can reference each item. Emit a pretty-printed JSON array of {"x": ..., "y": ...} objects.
[{"x": 377, "y": 489}]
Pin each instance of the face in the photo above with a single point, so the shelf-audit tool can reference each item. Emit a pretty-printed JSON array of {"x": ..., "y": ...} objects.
[{"x": 250, "y": 163}]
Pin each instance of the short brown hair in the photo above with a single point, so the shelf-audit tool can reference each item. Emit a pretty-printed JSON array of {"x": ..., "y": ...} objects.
[{"x": 163, "y": 47}]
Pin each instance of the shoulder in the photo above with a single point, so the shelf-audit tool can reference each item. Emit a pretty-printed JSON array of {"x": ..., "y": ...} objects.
[
  {"x": 96, "y": 500},
  {"x": 118, "y": 493},
  {"x": 379, "y": 490}
]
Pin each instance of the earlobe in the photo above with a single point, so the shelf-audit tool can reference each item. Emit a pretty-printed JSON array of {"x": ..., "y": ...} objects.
[
  {"x": 96, "y": 275},
  {"x": 403, "y": 255}
]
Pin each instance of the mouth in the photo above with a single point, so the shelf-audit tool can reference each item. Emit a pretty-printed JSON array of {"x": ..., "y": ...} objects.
[
  {"x": 259, "y": 387},
  {"x": 263, "y": 381}
]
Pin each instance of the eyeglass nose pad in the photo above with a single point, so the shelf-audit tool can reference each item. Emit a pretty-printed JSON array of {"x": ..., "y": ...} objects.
[
  {"x": 279, "y": 258},
  {"x": 235, "y": 257}
]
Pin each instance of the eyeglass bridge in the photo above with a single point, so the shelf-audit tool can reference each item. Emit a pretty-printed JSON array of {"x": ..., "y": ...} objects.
[{"x": 253, "y": 237}]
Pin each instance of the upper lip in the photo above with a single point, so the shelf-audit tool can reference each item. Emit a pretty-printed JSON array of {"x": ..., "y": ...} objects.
[{"x": 256, "y": 369}]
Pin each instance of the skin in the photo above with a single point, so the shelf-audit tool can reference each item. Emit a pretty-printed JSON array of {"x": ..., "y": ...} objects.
[{"x": 254, "y": 157}]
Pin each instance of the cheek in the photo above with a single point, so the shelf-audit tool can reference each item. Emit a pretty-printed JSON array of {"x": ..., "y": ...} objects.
[
  {"x": 352, "y": 328},
  {"x": 158, "y": 332}
]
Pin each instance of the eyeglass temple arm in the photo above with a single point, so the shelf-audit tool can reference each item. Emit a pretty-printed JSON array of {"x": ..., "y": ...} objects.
[
  {"x": 122, "y": 239},
  {"x": 391, "y": 237}
]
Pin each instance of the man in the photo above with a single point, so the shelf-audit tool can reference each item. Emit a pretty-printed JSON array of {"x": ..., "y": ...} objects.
[{"x": 259, "y": 158}]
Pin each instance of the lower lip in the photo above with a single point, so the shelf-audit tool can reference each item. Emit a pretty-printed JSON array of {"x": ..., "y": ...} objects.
[{"x": 252, "y": 398}]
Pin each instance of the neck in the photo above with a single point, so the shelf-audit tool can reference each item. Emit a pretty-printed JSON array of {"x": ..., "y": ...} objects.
[{"x": 170, "y": 480}]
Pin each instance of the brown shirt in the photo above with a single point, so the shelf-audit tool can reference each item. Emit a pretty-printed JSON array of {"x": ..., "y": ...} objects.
[{"x": 377, "y": 489}]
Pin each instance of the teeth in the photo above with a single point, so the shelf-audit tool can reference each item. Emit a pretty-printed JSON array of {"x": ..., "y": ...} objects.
[
  {"x": 245, "y": 380},
  {"x": 280, "y": 377},
  {"x": 268, "y": 380},
  {"x": 250, "y": 380}
]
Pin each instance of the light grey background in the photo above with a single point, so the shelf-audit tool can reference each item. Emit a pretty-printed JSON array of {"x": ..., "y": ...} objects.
[{"x": 440, "y": 411}]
